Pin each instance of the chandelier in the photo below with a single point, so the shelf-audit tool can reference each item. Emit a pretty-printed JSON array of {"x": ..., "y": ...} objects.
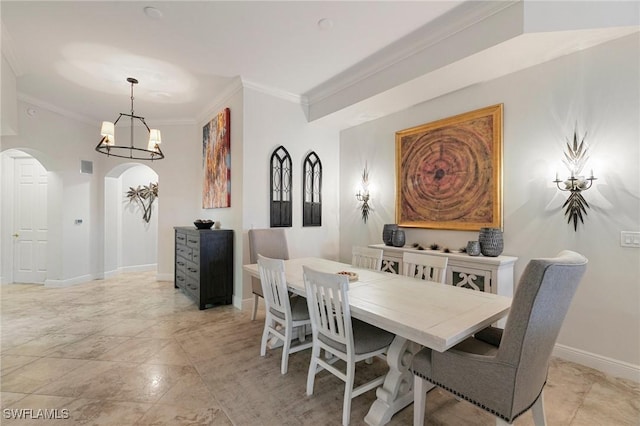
[{"x": 107, "y": 144}]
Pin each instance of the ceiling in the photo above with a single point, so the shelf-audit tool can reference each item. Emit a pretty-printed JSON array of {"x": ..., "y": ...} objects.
[
  {"x": 347, "y": 62},
  {"x": 76, "y": 55}
]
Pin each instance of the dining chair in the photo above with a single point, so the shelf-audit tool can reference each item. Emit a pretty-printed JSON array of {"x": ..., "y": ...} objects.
[
  {"x": 272, "y": 243},
  {"x": 281, "y": 310},
  {"x": 424, "y": 266},
  {"x": 335, "y": 332},
  {"x": 504, "y": 372},
  {"x": 366, "y": 257}
]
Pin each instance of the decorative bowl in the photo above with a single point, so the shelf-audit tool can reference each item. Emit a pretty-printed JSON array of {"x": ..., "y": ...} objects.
[
  {"x": 203, "y": 224},
  {"x": 351, "y": 275}
]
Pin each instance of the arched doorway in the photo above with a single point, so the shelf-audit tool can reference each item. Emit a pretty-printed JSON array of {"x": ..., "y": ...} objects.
[
  {"x": 24, "y": 207},
  {"x": 131, "y": 242}
]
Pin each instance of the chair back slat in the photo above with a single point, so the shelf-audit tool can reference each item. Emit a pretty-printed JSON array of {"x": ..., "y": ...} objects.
[
  {"x": 424, "y": 266},
  {"x": 368, "y": 258},
  {"x": 328, "y": 305},
  {"x": 274, "y": 285}
]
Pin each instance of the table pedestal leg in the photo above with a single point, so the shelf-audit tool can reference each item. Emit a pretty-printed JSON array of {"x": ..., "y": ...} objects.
[{"x": 397, "y": 390}]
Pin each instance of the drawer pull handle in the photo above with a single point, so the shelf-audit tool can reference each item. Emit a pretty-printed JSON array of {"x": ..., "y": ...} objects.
[{"x": 193, "y": 241}]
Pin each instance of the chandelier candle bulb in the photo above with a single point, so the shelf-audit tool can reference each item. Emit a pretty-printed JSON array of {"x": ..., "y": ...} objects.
[
  {"x": 155, "y": 139},
  {"x": 108, "y": 133}
]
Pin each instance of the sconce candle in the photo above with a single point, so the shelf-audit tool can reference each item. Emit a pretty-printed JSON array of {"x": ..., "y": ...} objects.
[{"x": 575, "y": 159}]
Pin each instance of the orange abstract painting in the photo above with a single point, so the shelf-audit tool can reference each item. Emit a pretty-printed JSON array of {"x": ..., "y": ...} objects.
[{"x": 216, "y": 161}]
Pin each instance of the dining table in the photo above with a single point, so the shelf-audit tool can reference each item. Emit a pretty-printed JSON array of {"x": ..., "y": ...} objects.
[{"x": 420, "y": 313}]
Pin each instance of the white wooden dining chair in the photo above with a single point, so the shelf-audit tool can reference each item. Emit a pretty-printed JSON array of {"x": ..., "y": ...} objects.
[
  {"x": 424, "y": 266},
  {"x": 283, "y": 314},
  {"x": 335, "y": 332},
  {"x": 365, "y": 257}
]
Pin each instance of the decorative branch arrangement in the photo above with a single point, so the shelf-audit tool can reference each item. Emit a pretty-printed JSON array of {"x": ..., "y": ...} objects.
[
  {"x": 575, "y": 158},
  {"x": 142, "y": 194}
]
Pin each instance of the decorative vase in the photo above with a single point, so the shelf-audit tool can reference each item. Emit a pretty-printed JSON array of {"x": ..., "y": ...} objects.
[
  {"x": 397, "y": 238},
  {"x": 387, "y": 233},
  {"x": 491, "y": 241},
  {"x": 473, "y": 248}
]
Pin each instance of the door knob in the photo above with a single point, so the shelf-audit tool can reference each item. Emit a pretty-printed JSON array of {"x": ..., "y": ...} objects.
[{"x": 16, "y": 235}]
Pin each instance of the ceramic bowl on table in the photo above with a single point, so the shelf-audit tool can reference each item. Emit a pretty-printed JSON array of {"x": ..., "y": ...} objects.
[{"x": 203, "y": 224}]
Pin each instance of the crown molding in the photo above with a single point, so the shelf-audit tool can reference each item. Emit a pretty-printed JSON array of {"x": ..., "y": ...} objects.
[
  {"x": 223, "y": 97},
  {"x": 451, "y": 23},
  {"x": 9, "y": 53},
  {"x": 56, "y": 109},
  {"x": 281, "y": 94}
]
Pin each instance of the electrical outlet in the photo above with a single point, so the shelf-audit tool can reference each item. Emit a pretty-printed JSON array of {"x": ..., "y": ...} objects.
[{"x": 630, "y": 239}]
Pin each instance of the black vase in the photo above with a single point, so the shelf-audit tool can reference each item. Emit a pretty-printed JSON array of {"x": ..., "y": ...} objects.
[
  {"x": 387, "y": 233},
  {"x": 491, "y": 241},
  {"x": 398, "y": 239}
]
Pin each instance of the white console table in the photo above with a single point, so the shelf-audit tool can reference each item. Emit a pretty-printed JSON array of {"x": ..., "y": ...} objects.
[{"x": 490, "y": 274}]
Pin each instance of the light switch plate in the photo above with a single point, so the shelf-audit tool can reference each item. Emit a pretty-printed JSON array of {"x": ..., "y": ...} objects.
[{"x": 630, "y": 239}]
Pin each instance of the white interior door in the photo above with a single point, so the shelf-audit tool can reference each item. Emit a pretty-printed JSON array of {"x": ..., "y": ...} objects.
[{"x": 30, "y": 221}]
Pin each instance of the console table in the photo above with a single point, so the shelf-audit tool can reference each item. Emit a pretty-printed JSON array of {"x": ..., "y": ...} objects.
[{"x": 490, "y": 274}]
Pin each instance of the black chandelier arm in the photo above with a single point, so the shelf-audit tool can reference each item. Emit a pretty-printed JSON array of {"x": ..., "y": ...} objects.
[
  {"x": 150, "y": 155},
  {"x": 132, "y": 116}
]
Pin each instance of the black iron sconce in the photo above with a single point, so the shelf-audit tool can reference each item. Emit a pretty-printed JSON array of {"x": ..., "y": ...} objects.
[
  {"x": 575, "y": 158},
  {"x": 363, "y": 194}
]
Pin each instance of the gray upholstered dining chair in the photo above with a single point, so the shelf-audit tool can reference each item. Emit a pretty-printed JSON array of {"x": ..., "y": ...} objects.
[
  {"x": 335, "y": 332},
  {"x": 366, "y": 257},
  {"x": 504, "y": 372},
  {"x": 272, "y": 243},
  {"x": 284, "y": 314}
]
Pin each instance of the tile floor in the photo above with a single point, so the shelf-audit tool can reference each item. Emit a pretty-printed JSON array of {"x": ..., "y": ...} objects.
[{"x": 133, "y": 351}]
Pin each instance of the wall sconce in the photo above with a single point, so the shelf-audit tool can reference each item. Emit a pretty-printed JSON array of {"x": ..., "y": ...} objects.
[
  {"x": 363, "y": 194},
  {"x": 575, "y": 158}
]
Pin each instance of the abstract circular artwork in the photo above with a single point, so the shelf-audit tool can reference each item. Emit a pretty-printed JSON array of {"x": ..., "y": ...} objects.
[{"x": 448, "y": 172}]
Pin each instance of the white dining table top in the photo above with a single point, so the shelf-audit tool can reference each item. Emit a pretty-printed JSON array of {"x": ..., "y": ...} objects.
[{"x": 434, "y": 315}]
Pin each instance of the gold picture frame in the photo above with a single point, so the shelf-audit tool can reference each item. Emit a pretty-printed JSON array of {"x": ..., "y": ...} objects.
[{"x": 449, "y": 172}]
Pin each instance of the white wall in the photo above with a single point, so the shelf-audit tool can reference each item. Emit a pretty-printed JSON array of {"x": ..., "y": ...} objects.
[
  {"x": 59, "y": 143},
  {"x": 599, "y": 90},
  {"x": 76, "y": 252},
  {"x": 269, "y": 123},
  {"x": 139, "y": 239}
]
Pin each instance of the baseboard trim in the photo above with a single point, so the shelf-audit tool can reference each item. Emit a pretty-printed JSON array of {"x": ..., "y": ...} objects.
[
  {"x": 69, "y": 282},
  {"x": 601, "y": 363},
  {"x": 164, "y": 277},
  {"x": 110, "y": 274},
  {"x": 139, "y": 268},
  {"x": 240, "y": 303}
]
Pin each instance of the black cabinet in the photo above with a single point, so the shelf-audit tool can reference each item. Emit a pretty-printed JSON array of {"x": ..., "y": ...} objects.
[{"x": 204, "y": 265}]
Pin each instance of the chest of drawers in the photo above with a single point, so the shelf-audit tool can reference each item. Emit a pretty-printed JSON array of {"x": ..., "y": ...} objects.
[{"x": 204, "y": 265}]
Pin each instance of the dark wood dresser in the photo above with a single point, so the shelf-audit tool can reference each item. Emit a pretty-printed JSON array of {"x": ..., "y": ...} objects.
[{"x": 204, "y": 265}]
